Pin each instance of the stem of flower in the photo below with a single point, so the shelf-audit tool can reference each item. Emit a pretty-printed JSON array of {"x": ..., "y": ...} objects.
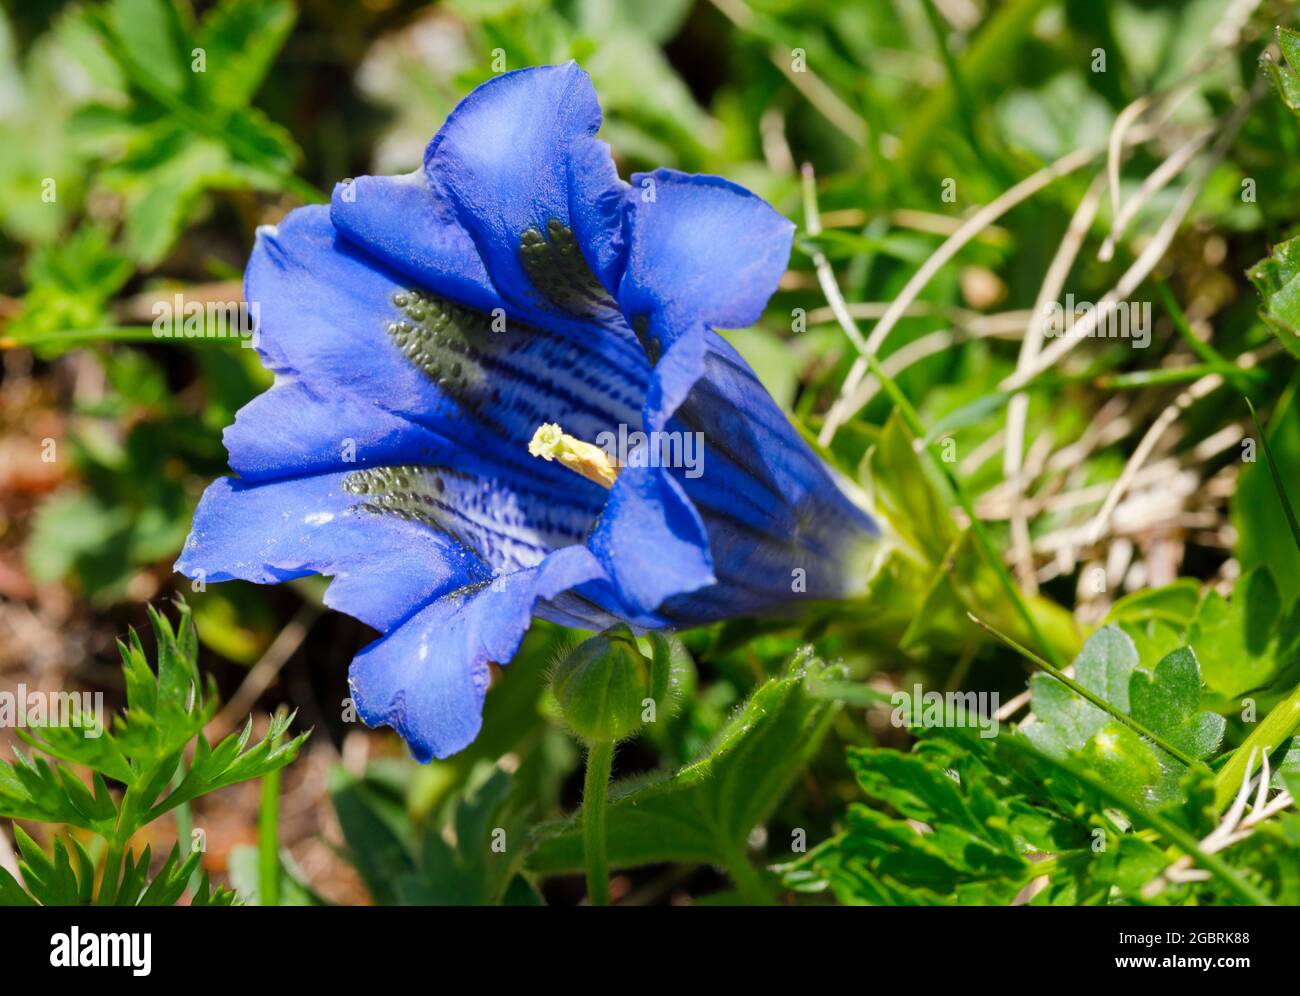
[
  {"x": 749, "y": 883},
  {"x": 268, "y": 841},
  {"x": 600, "y": 757}
]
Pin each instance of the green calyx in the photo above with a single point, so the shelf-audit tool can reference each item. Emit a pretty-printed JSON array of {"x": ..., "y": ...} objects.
[{"x": 607, "y": 688}]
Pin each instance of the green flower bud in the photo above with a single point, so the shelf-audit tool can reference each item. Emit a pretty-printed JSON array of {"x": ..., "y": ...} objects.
[{"x": 602, "y": 685}]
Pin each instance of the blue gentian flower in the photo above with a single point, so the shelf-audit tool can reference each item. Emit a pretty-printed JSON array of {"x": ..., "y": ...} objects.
[{"x": 423, "y": 328}]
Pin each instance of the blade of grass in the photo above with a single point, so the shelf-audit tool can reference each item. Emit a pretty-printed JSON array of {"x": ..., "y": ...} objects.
[
  {"x": 1178, "y": 375},
  {"x": 110, "y": 333},
  {"x": 1202, "y": 349},
  {"x": 965, "y": 105}
]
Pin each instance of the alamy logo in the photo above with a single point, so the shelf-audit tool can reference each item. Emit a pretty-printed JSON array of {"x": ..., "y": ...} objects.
[
  {"x": 191, "y": 319},
  {"x": 1111, "y": 320},
  {"x": 946, "y": 710},
  {"x": 22, "y": 708},
  {"x": 92, "y": 950},
  {"x": 659, "y": 448}
]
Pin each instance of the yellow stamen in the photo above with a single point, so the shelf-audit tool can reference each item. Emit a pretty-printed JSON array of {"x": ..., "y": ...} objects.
[{"x": 550, "y": 442}]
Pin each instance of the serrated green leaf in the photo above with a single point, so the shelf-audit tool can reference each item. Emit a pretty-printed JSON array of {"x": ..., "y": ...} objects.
[
  {"x": 230, "y": 765},
  {"x": 12, "y": 893},
  {"x": 1166, "y": 702},
  {"x": 31, "y": 789},
  {"x": 90, "y": 745},
  {"x": 945, "y": 824},
  {"x": 1065, "y": 721}
]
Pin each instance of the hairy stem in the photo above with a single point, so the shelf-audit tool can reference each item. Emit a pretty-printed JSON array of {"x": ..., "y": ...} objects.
[
  {"x": 749, "y": 883},
  {"x": 600, "y": 757}
]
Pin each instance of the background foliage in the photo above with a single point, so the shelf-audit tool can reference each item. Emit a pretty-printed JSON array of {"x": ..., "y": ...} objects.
[{"x": 1128, "y": 493}]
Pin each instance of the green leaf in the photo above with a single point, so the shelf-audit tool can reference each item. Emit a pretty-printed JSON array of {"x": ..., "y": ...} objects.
[
  {"x": 1065, "y": 721},
  {"x": 167, "y": 709},
  {"x": 241, "y": 39},
  {"x": 12, "y": 893},
  {"x": 52, "y": 879},
  {"x": 1172, "y": 603},
  {"x": 153, "y": 36},
  {"x": 1168, "y": 702},
  {"x": 33, "y": 789},
  {"x": 377, "y": 832},
  {"x": 1258, "y": 515},
  {"x": 1165, "y": 701},
  {"x": 84, "y": 741},
  {"x": 232, "y": 762},
  {"x": 1242, "y": 643},
  {"x": 1123, "y": 759},
  {"x": 490, "y": 846},
  {"x": 1277, "y": 278},
  {"x": 705, "y": 811},
  {"x": 1286, "y": 77},
  {"x": 164, "y": 197},
  {"x": 164, "y": 710},
  {"x": 70, "y": 284},
  {"x": 192, "y": 131},
  {"x": 945, "y": 824}
]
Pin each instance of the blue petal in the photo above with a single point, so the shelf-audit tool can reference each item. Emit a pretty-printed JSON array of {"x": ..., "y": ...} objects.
[
  {"x": 326, "y": 313},
  {"x": 702, "y": 253},
  {"x": 651, "y": 540},
  {"x": 702, "y": 249},
  {"x": 291, "y": 430},
  {"x": 384, "y": 567},
  {"x": 519, "y": 154},
  {"x": 404, "y": 224},
  {"x": 427, "y": 678},
  {"x": 773, "y": 513},
  {"x": 322, "y": 312},
  {"x": 347, "y": 397}
]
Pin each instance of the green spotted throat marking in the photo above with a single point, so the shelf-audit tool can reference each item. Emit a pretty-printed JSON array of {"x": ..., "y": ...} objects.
[
  {"x": 409, "y": 492},
  {"x": 556, "y": 267},
  {"x": 441, "y": 338}
]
